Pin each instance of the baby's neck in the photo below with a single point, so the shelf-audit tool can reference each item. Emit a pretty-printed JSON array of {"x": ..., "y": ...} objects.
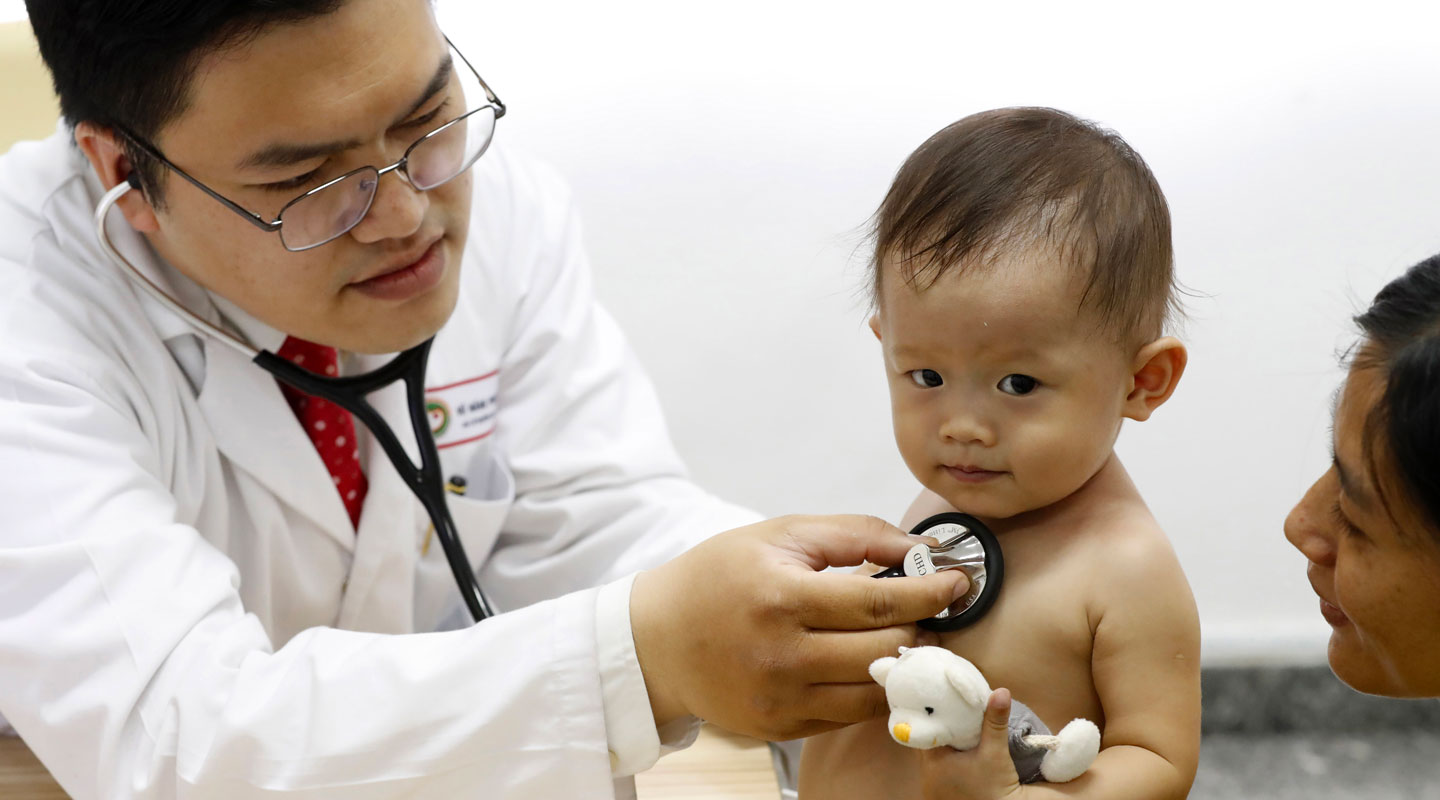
[{"x": 1108, "y": 490}]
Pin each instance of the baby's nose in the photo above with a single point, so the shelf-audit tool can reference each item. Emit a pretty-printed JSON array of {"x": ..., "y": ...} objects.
[{"x": 902, "y": 733}]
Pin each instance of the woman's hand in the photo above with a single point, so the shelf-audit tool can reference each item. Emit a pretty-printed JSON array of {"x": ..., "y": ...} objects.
[{"x": 982, "y": 773}]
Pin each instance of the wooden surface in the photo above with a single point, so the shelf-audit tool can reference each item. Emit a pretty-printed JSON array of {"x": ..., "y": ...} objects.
[
  {"x": 720, "y": 766},
  {"x": 21, "y": 776}
]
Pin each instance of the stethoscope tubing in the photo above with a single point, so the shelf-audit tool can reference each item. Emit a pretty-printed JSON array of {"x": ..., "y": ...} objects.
[{"x": 348, "y": 392}]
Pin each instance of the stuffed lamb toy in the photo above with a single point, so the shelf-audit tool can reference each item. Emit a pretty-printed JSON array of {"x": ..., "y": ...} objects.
[{"x": 938, "y": 698}]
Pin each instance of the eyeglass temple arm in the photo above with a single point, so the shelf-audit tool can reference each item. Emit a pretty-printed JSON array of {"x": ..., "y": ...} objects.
[
  {"x": 134, "y": 180},
  {"x": 489, "y": 95}
]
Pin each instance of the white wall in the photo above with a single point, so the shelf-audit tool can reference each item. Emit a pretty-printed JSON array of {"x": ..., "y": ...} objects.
[{"x": 725, "y": 155}]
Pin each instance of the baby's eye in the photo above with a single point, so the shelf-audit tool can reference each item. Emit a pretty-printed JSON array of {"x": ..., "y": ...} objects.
[
  {"x": 926, "y": 378},
  {"x": 929, "y": 710},
  {"x": 1018, "y": 384}
]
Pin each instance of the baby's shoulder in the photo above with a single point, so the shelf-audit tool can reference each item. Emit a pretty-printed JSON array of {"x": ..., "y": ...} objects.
[
  {"x": 1137, "y": 577},
  {"x": 1129, "y": 549}
]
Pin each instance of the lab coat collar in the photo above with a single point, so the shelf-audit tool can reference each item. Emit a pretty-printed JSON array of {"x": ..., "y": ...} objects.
[
  {"x": 252, "y": 330},
  {"x": 254, "y": 426}
]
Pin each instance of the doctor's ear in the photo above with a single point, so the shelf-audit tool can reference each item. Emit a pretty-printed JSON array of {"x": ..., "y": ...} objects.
[
  {"x": 107, "y": 157},
  {"x": 1155, "y": 372}
]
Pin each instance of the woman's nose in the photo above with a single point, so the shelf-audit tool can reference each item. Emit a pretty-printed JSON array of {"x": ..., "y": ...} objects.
[{"x": 1308, "y": 526}]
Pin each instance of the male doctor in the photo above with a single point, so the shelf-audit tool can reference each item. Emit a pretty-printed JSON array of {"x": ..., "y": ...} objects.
[{"x": 213, "y": 587}]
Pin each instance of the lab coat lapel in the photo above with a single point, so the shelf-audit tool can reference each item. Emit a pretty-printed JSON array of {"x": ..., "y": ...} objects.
[
  {"x": 380, "y": 596},
  {"x": 255, "y": 428}
]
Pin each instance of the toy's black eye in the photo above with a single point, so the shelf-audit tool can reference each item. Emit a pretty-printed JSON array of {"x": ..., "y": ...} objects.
[{"x": 929, "y": 710}]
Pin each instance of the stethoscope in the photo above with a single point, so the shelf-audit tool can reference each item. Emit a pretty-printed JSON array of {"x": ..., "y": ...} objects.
[
  {"x": 349, "y": 393},
  {"x": 964, "y": 543}
]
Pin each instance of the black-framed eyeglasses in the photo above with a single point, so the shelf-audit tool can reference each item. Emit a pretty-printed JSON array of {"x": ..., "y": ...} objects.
[{"x": 334, "y": 208}]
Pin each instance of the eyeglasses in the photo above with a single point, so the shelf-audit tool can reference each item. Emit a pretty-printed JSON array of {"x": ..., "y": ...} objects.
[{"x": 332, "y": 209}]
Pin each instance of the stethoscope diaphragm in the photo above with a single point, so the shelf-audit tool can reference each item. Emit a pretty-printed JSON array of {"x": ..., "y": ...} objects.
[{"x": 965, "y": 543}]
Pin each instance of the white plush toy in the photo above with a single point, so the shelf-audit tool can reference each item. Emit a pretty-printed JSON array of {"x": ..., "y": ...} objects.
[{"x": 938, "y": 698}]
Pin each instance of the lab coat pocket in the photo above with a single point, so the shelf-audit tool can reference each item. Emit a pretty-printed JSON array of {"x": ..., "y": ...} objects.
[{"x": 479, "y": 515}]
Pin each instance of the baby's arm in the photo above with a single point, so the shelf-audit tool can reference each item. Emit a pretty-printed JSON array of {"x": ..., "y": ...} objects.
[{"x": 1146, "y": 668}]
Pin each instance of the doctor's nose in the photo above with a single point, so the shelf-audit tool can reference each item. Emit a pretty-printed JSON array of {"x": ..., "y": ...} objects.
[
  {"x": 1308, "y": 527},
  {"x": 396, "y": 212}
]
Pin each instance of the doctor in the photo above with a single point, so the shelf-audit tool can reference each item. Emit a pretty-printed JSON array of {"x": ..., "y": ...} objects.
[{"x": 210, "y": 587}]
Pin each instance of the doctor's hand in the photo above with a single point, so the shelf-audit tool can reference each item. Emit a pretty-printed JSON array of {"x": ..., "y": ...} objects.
[{"x": 745, "y": 631}]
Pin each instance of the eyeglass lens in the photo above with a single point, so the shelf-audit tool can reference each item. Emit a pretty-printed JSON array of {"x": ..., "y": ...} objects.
[{"x": 330, "y": 212}]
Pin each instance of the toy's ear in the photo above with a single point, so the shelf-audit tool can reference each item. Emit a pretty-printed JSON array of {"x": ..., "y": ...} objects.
[
  {"x": 880, "y": 668},
  {"x": 968, "y": 683}
]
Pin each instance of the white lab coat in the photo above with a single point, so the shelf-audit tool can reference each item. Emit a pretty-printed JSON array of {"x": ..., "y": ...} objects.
[{"x": 185, "y": 609}]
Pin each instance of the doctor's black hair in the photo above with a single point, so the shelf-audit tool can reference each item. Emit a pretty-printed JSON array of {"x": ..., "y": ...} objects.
[
  {"x": 129, "y": 62},
  {"x": 1018, "y": 177},
  {"x": 1402, "y": 340}
]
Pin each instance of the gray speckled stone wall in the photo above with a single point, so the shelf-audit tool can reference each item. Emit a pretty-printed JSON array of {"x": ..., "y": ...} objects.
[
  {"x": 1307, "y": 699},
  {"x": 1301, "y": 734}
]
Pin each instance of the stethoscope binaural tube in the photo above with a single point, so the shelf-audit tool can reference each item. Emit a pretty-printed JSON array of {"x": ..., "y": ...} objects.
[
  {"x": 349, "y": 393},
  {"x": 965, "y": 543}
]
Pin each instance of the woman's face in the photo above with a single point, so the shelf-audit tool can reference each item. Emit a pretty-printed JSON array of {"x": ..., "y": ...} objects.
[{"x": 1373, "y": 563}]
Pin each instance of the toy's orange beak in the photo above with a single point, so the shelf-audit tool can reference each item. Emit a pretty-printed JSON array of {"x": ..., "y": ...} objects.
[{"x": 902, "y": 733}]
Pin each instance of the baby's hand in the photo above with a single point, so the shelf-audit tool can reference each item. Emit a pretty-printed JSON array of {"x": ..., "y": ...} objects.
[{"x": 983, "y": 773}]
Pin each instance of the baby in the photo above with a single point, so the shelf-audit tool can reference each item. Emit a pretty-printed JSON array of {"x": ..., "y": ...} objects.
[{"x": 1022, "y": 279}]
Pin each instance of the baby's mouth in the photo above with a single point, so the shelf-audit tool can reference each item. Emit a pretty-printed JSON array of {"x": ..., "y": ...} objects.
[{"x": 966, "y": 473}]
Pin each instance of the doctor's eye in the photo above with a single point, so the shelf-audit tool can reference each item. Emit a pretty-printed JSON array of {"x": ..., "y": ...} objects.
[
  {"x": 926, "y": 378},
  {"x": 1018, "y": 384},
  {"x": 929, "y": 710},
  {"x": 291, "y": 183}
]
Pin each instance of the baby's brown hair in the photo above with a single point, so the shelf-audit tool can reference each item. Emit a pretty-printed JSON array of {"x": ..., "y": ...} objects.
[{"x": 1028, "y": 176}]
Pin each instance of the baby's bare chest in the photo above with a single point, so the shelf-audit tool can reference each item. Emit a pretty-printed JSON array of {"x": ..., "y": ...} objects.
[{"x": 1037, "y": 639}]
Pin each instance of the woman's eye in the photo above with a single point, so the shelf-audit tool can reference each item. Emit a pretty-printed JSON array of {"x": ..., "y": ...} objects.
[
  {"x": 926, "y": 378},
  {"x": 1018, "y": 384},
  {"x": 1344, "y": 522}
]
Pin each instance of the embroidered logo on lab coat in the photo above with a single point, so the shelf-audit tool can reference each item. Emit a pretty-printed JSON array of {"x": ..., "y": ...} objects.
[{"x": 463, "y": 412}]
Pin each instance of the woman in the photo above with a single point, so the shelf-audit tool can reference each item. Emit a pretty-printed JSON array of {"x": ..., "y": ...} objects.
[{"x": 1370, "y": 526}]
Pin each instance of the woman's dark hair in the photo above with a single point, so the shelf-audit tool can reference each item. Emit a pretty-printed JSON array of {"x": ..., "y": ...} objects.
[
  {"x": 1402, "y": 331},
  {"x": 129, "y": 62}
]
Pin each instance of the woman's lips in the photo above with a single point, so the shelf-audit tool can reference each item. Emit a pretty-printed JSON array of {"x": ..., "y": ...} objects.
[
  {"x": 408, "y": 281},
  {"x": 972, "y": 474},
  {"x": 1333, "y": 615}
]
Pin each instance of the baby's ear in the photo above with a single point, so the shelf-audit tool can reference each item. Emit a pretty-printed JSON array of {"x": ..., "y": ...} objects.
[
  {"x": 875, "y": 325},
  {"x": 1155, "y": 372},
  {"x": 880, "y": 668}
]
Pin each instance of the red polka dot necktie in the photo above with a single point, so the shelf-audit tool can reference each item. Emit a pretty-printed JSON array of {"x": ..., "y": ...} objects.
[{"x": 331, "y": 428}]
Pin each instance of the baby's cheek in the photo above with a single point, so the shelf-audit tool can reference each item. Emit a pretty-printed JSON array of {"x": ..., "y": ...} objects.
[{"x": 1055, "y": 460}]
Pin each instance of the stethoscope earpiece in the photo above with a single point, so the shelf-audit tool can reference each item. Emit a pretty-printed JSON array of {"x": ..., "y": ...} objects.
[{"x": 965, "y": 544}]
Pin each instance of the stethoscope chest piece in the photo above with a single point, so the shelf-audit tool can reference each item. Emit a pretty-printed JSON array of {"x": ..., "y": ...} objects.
[{"x": 965, "y": 544}]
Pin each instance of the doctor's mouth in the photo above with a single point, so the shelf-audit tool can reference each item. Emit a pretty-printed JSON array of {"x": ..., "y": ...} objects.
[{"x": 409, "y": 278}]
